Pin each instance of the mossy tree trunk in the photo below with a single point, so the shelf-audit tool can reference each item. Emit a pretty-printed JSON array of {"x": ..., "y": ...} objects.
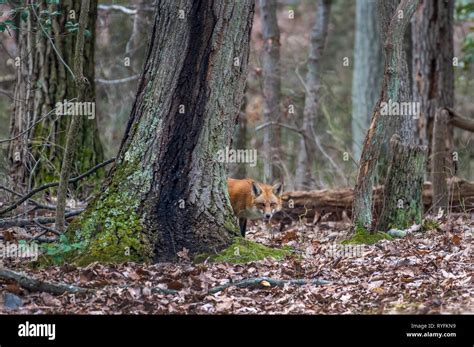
[
  {"x": 42, "y": 81},
  {"x": 402, "y": 203},
  {"x": 168, "y": 190},
  {"x": 395, "y": 88}
]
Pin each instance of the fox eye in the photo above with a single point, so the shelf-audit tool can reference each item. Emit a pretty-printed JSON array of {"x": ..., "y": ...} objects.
[
  {"x": 260, "y": 205},
  {"x": 273, "y": 204}
]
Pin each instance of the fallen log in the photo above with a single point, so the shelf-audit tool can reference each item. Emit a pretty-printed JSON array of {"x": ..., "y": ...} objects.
[
  {"x": 36, "y": 285},
  {"x": 305, "y": 205}
]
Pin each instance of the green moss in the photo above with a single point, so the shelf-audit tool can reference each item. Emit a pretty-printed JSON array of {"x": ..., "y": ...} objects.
[
  {"x": 362, "y": 236},
  {"x": 404, "y": 218},
  {"x": 244, "y": 251},
  {"x": 430, "y": 224},
  {"x": 111, "y": 228}
]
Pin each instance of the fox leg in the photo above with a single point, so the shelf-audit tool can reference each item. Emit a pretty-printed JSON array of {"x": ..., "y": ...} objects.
[{"x": 243, "y": 226}]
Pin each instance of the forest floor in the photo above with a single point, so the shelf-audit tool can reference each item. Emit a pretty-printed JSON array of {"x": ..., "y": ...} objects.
[{"x": 423, "y": 273}]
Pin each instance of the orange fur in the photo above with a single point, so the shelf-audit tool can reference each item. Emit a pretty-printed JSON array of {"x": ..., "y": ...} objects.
[{"x": 248, "y": 204}]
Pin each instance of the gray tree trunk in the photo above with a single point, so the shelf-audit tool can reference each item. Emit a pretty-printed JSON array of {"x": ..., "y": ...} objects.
[
  {"x": 368, "y": 71},
  {"x": 432, "y": 64},
  {"x": 240, "y": 169},
  {"x": 382, "y": 127},
  {"x": 439, "y": 163},
  {"x": 308, "y": 142},
  {"x": 433, "y": 86},
  {"x": 271, "y": 89},
  {"x": 167, "y": 192}
]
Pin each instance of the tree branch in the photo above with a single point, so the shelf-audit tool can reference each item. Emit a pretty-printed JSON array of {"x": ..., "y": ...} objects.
[
  {"x": 262, "y": 282},
  {"x": 459, "y": 121},
  {"x": 54, "y": 184},
  {"x": 117, "y": 81},
  {"x": 37, "y": 285},
  {"x": 7, "y": 223}
]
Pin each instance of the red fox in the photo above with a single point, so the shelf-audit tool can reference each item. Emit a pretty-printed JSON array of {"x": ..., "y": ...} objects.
[{"x": 252, "y": 200}]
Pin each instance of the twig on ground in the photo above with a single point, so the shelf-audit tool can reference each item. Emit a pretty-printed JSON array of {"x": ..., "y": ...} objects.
[{"x": 34, "y": 284}]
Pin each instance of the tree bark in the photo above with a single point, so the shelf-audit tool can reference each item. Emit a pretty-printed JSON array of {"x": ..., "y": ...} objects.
[
  {"x": 76, "y": 120},
  {"x": 42, "y": 81},
  {"x": 395, "y": 89},
  {"x": 368, "y": 71},
  {"x": 240, "y": 169},
  {"x": 271, "y": 89},
  {"x": 168, "y": 191},
  {"x": 308, "y": 142},
  {"x": 439, "y": 163},
  {"x": 402, "y": 205},
  {"x": 432, "y": 64}
]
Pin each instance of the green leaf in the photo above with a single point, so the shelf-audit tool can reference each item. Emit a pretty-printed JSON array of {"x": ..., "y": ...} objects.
[{"x": 24, "y": 15}]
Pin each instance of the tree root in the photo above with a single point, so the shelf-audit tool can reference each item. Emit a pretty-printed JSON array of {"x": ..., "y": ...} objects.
[{"x": 34, "y": 284}]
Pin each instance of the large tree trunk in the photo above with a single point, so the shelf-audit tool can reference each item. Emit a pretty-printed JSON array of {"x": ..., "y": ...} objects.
[
  {"x": 402, "y": 205},
  {"x": 433, "y": 76},
  {"x": 432, "y": 64},
  {"x": 308, "y": 142},
  {"x": 368, "y": 71},
  {"x": 43, "y": 79},
  {"x": 271, "y": 89},
  {"x": 168, "y": 190},
  {"x": 395, "y": 89}
]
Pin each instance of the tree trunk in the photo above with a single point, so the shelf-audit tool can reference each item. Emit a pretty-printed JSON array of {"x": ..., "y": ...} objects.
[
  {"x": 168, "y": 190},
  {"x": 76, "y": 120},
  {"x": 43, "y": 80},
  {"x": 240, "y": 169},
  {"x": 368, "y": 71},
  {"x": 402, "y": 205},
  {"x": 308, "y": 142},
  {"x": 271, "y": 89},
  {"x": 439, "y": 163},
  {"x": 432, "y": 64},
  {"x": 395, "y": 89}
]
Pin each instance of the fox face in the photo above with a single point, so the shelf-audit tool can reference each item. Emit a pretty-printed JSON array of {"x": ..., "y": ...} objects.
[
  {"x": 266, "y": 199},
  {"x": 252, "y": 200}
]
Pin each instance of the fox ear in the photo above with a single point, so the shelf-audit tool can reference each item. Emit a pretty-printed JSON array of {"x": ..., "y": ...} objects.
[
  {"x": 256, "y": 190},
  {"x": 277, "y": 188}
]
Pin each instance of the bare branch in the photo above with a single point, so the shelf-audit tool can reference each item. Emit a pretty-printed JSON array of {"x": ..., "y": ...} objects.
[
  {"x": 54, "y": 184},
  {"x": 7, "y": 223},
  {"x": 119, "y": 8},
  {"x": 120, "y": 80}
]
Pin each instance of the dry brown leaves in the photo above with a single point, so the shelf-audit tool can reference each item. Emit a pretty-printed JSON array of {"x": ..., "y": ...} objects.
[{"x": 429, "y": 272}]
